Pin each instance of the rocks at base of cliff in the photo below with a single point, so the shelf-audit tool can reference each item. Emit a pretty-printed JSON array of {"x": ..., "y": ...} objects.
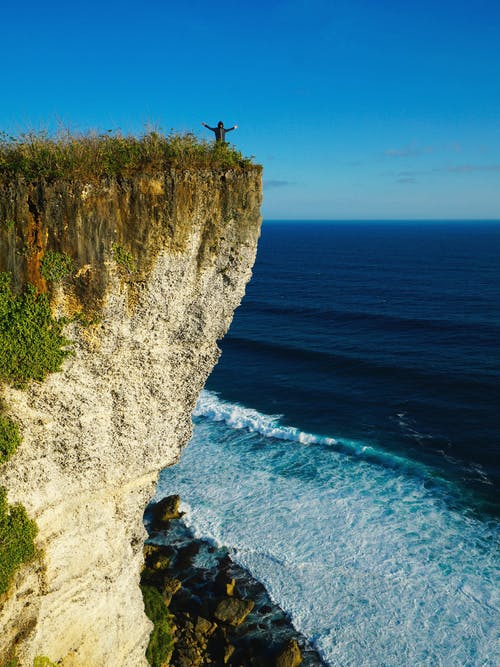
[
  {"x": 166, "y": 509},
  {"x": 222, "y": 616},
  {"x": 233, "y": 611},
  {"x": 290, "y": 656},
  {"x": 230, "y": 587},
  {"x": 192, "y": 640},
  {"x": 169, "y": 588}
]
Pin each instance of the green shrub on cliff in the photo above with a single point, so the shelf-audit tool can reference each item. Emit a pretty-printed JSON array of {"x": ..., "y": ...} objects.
[
  {"x": 31, "y": 340},
  {"x": 17, "y": 533},
  {"x": 9, "y": 438},
  {"x": 123, "y": 257},
  {"x": 9, "y": 224},
  {"x": 31, "y": 346},
  {"x": 11, "y": 662},
  {"x": 43, "y": 661},
  {"x": 89, "y": 157},
  {"x": 55, "y": 266},
  {"x": 161, "y": 641}
]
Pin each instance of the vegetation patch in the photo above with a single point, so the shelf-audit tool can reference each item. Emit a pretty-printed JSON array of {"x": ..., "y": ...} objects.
[
  {"x": 17, "y": 533},
  {"x": 123, "y": 257},
  {"x": 31, "y": 340},
  {"x": 161, "y": 641},
  {"x": 55, "y": 266},
  {"x": 9, "y": 438},
  {"x": 9, "y": 224},
  {"x": 31, "y": 346},
  {"x": 92, "y": 156},
  {"x": 26, "y": 250},
  {"x": 17, "y": 530},
  {"x": 43, "y": 661},
  {"x": 11, "y": 662}
]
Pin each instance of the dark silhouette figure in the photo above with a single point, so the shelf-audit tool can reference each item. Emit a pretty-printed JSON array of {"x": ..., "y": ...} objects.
[{"x": 220, "y": 130}]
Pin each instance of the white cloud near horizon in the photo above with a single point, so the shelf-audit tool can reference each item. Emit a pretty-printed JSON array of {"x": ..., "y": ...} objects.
[
  {"x": 276, "y": 183},
  {"x": 408, "y": 151},
  {"x": 412, "y": 150},
  {"x": 406, "y": 180},
  {"x": 467, "y": 168}
]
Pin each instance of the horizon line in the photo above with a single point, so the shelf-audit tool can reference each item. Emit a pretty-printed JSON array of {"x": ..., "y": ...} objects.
[{"x": 266, "y": 219}]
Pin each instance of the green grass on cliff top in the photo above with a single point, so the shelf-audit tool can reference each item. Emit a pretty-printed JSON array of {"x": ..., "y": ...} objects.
[{"x": 36, "y": 156}]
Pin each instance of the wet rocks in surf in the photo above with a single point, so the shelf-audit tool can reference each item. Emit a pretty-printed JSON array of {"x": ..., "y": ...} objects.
[
  {"x": 233, "y": 611},
  {"x": 166, "y": 509},
  {"x": 170, "y": 586},
  {"x": 221, "y": 615},
  {"x": 290, "y": 656}
]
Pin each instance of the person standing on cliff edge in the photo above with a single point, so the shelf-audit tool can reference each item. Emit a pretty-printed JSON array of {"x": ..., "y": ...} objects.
[{"x": 220, "y": 131}]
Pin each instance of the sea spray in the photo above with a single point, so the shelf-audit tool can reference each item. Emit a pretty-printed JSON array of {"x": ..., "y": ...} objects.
[
  {"x": 237, "y": 416},
  {"x": 369, "y": 560}
]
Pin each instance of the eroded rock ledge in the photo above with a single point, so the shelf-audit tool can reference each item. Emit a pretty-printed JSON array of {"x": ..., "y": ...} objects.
[{"x": 159, "y": 263}]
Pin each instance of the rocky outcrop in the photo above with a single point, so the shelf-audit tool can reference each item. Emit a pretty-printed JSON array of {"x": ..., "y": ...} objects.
[
  {"x": 208, "y": 625},
  {"x": 159, "y": 263},
  {"x": 290, "y": 656},
  {"x": 233, "y": 611}
]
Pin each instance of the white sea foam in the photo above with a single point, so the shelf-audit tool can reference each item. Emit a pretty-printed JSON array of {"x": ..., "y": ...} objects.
[
  {"x": 371, "y": 565},
  {"x": 240, "y": 417},
  {"x": 237, "y": 416}
]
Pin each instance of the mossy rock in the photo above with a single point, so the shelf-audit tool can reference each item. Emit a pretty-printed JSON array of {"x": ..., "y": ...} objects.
[
  {"x": 228, "y": 652},
  {"x": 10, "y": 662},
  {"x": 161, "y": 563}
]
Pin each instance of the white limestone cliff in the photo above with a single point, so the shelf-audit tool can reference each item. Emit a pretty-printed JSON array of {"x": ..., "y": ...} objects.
[{"x": 96, "y": 434}]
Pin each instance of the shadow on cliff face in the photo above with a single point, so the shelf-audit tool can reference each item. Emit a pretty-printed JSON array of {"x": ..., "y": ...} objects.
[
  {"x": 117, "y": 222},
  {"x": 97, "y": 199}
]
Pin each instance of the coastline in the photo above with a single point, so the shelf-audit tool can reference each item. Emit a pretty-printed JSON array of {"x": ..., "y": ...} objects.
[{"x": 219, "y": 613}]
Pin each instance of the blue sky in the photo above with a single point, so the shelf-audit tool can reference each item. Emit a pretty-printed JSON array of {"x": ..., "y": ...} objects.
[{"x": 357, "y": 109}]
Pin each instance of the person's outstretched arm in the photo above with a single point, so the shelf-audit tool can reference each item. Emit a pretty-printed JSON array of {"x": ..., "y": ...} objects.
[
  {"x": 208, "y": 127},
  {"x": 230, "y": 129}
]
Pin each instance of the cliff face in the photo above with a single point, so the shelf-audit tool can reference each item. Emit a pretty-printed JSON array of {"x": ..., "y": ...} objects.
[{"x": 159, "y": 265}]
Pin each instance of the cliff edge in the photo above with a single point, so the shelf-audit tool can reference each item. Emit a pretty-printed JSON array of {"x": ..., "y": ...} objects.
[{"x": 155, "y": 263}]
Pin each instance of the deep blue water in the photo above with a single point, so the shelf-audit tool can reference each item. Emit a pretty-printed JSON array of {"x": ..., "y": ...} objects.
[
  {"x": 384, "y": 333},
  {"x": 347, "y": 445}
]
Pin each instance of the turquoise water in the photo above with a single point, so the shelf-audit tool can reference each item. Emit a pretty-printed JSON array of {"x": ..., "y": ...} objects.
[{"x": 346, "y": 446}]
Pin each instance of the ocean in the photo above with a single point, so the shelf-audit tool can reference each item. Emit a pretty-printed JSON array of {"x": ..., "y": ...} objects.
[{"x": 346, "y": 446}]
